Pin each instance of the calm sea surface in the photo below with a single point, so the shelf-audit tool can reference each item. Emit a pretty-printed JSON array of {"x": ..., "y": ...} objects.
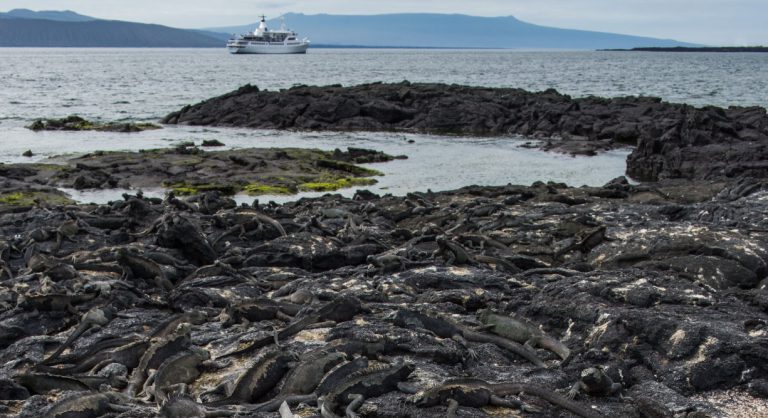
[{"x": 146, "y": 84}]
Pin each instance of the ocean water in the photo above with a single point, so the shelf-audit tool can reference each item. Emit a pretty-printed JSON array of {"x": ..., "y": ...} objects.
[{"x": 146, "y": 84}]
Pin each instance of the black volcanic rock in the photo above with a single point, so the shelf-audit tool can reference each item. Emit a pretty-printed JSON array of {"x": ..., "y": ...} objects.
[
  {"x": 670, "y": 302},
  {"x": 663, "y": 286},
  {"x": 670, "y": 140}
]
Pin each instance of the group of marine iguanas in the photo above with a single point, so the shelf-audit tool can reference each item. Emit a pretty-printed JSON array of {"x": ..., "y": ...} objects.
[{"x": 107, "y": 263}]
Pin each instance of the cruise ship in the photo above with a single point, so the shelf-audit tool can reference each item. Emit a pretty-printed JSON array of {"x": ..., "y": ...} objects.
[{"x": 265, "y": 41}]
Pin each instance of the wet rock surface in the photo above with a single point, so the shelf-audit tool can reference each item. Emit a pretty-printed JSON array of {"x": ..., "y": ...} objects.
[
  {"x": 187, "y": 169},
  {"x": 76, "y": 123},
  {"x": 622, "y": 300},
  {"x": 670, "y": 140}
]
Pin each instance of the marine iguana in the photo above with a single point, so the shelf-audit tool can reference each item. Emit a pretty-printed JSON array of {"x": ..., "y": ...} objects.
[
  {"x": 522, "y": 332},
  {"x": 478, "y": 393},
  {"x": 584, "y": 241},
  {"x": 41, "y": 383},
  {"x": 247, "y": 221},
  {"x": 95, "y": 317},
  {"x": 445, "y": 328},
  {"x": 66, "y": 230},
  {"x": 371, "y": 382},
  {"x": 87, "y": 406},
  {"x": 260, "y": 310},
  {"x": 138, "y": 267},
  {"x": 128, "y": 355},
  {"x": 159, "y": 350},
  {"x": 453, "y": 252},
  {"x": 180, "y": 368},
  {"x": 169, "y": 325},
  {"x": 302, "y": 380},
  {"x": 259, "y": 379},
  {"x": 594, "y": 382},
  {"x": 54, "y": 301},
  {"x": 340, "y": 309},
  {"x": 182, "y": 406}
]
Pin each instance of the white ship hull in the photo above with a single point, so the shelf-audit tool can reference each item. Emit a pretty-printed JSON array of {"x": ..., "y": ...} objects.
[{"x": 267, "y": 48}]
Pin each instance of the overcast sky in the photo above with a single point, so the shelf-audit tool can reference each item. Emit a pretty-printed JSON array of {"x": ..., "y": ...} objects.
[{"x": 715, "y": 22}]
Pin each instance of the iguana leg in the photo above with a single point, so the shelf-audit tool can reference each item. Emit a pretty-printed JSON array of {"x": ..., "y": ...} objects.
[
  {"x": 220, "y": 389},
  {"x": 162, "y": 394},
  {"x": 532, "y": 343},
  {"x": 356, "y": 401},
  {"x": 147, "y": 389},
  {"x": 459, "y": 339},
  {"x": 453, "y": 406},
  {"x": 575, "y": 389},
  {"x": 6, "y": 269},
  {"x": 59, "y": 238},
  {"x": 324, "y": 411},
  {"x": 513, "y": 403}
]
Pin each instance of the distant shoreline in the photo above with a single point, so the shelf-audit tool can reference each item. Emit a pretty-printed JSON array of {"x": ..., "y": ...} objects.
[{"x": 697, "y": 49}]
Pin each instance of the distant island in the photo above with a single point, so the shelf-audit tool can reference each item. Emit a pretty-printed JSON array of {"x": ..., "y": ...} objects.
[
  {"x": 697, "y": 49},
  {"x": 27, "y": 28}
]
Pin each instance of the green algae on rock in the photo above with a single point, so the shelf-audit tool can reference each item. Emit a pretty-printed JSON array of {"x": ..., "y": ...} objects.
[
  {"x": 190, "y": 170},
  {"x": 332, "y": 185},
  {"x": 76, "y": 123},
  {"x": 32, "y": 197}
]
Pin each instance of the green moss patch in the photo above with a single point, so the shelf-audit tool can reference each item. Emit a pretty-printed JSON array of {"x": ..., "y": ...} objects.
[
  {"x": 29, "y": 198},
  {"x": 255, "y": 189},
  {"x": 187, "y": 189},
  {"x": 329, "y": 186}
]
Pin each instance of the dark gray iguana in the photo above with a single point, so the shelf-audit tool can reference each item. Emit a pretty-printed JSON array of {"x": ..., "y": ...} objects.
[
  {"x": 595, "y": 382},
  {"x": 182, "y": 406},
  {"x": 340, "y": 309},
  {"x": 444, "y": 328},
  {"x": 522, "y": 332},
  {"x": 96, "y": 317},
  {"x": 159, "y": 350},
  {"x": 41, "y": 383},
  {"x": 302, "y": 380},
  {"x": 584, "y": 241},
  {"x": 138, "y": 267},
  {"x": 181, "y": 368},
  {"x": 128, "y": 355},
  {"x": 479, "y": 393},
  {"x": 89, "y": 405},
  {"x": 259, "y": 379},
  {"x": 371, "y": 382}
]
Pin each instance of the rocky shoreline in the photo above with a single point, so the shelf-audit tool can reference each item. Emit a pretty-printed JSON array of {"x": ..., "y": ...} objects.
[
  {"x": 639, "y": 300},
  {"x": 190, "y": 170},
  {"x": 631, "y": 300},
  {"x": 669, "y": 140}
]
